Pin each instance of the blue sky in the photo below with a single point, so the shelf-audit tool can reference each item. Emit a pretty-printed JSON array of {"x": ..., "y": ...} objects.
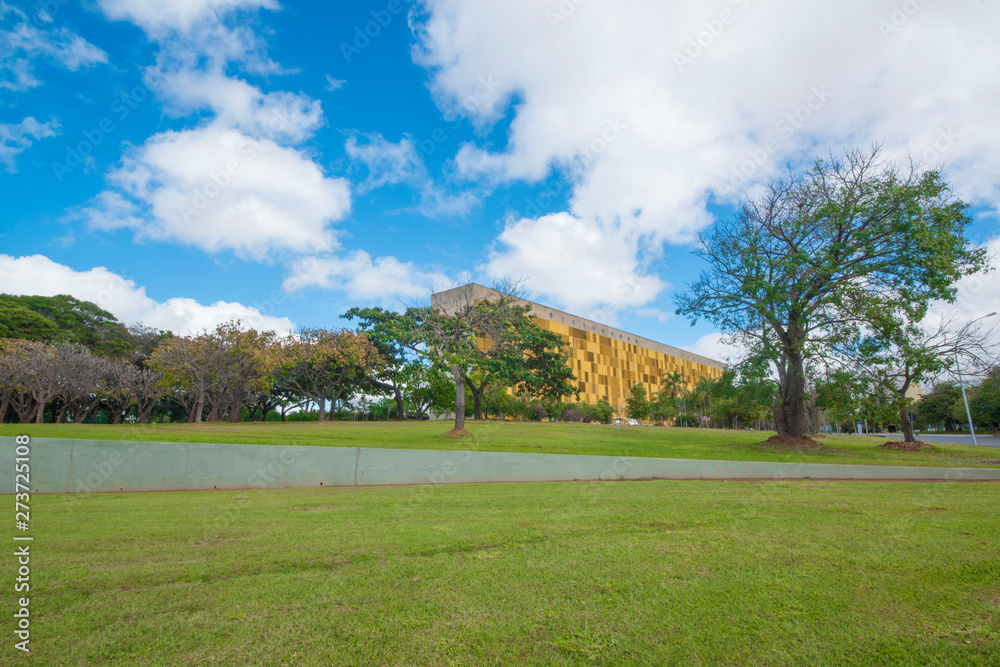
[{"x": 185, "y": 163}]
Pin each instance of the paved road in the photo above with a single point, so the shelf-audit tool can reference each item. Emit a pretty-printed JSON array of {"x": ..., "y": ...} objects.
[{"x": 981, "y": 440}]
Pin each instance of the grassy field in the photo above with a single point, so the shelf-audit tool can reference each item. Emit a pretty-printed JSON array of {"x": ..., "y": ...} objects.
[
  {"x": 693, "y": 573},
  {"x": 549, "y": 438}
]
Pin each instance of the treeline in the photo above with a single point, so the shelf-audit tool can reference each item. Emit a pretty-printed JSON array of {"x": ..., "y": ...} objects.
[
  {"x": 736, "y": 399},
  {"x": 66, "y": 360},
  {"x": 944, "y": 409}
]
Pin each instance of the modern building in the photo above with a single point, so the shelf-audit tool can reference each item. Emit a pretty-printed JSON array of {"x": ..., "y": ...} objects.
[{"x": 606, "y": 361}]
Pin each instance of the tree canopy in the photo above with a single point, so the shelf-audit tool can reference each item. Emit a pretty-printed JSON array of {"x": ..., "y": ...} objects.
[{"x": 820, "y": 254}]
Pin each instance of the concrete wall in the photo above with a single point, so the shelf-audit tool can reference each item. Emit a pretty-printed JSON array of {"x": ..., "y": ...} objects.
[{"x": 86, "y": 466}]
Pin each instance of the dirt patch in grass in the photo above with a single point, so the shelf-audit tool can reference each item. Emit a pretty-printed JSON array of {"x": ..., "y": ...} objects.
[
  {"x": 458, "y": 432},
  {"x": 795, "y": 444},
  {"x": 903, "y": 446}
]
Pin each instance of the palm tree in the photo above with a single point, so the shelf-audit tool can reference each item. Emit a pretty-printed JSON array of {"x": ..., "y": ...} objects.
[
  {"x": 707, "y": 386},
  {"x": 674, "y": 384}
]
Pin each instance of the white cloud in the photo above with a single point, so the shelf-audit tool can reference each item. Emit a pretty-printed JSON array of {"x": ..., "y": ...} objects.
[
  {"x": 977, "y": 297},
  {"x": 236, "y": 182},
  {"x": 21, "y": 43},
  {"x": 389, "y": 163},
  {"x": 713, "y": 346},
  {"x": 281, "y": 116},
  {"x": 17, "y": 137},
  {"x": 40, "y": 276},
  {"x": 652, "y": 108},
  {"x": 157, "y": 17},
  {"x": 384, "y": 280},
  {"x": 333, "y": 85},
  {"x": 218, "y": 189},
  {"x": 581, "y": 264}
]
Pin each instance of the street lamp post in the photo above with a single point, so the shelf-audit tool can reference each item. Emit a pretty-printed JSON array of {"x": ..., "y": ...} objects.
[{"x": 968, "y": 413}]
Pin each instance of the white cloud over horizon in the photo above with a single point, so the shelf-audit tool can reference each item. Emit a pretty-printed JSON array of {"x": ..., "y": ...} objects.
[
  {"x": 656, "y": 109},
  {"x": 385, "y": 280},
  {"x": 37, "y": 275}
]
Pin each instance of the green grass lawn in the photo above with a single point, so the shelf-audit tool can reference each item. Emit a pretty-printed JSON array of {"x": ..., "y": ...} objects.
[
  {"x": 533, "y": 437},
  {"x": 585, "y": 573}
]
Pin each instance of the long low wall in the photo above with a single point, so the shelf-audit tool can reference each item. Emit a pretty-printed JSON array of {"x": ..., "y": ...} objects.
[{"x": 87, "y": 466}]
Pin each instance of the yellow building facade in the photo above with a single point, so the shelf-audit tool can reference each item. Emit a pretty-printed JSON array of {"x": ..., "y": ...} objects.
[{"x": 606, "y": 361}]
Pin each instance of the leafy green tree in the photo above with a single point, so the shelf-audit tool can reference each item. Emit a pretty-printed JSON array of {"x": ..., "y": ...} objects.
[
  {"x": 984, "y": 401},
  {"x": 674, "y": 385},
  {"x": 321, "y": 364},
  {"x": 428, "y": 389},
  {"x": 935, "y": 408},
  {"x": 638, "y": 405},
  {"x": 663, "y": 407},
  {"x": 522, "y": 356},
  {"x": 19, "y": 321},
  {"x": 602, "y": 411},
  {"x": 838, "y": 394},
  {"x": 75, "y": 321},
  {"x": 493, "y": 340},
  {"x": 810, "y": 259},
  {"x": 395, "y": 337}
]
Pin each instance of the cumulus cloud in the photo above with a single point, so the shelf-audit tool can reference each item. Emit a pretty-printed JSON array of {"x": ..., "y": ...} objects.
[
  {"x": 157, "y": 17},
  {"x": 282, "y": 116},
  {"x": 583, "y": 264},
  {"x": 384, "y": 280},
  {"x": 38, "y": 275},
  {"x": 18, "y": 137},
  {"x": 21, "y": 43},
  {"x": 238, "y": 181},
  {"x": 713, "y": 346},
  {"x": 654, "y": 110},
  {"x": 216, "y": 188}
]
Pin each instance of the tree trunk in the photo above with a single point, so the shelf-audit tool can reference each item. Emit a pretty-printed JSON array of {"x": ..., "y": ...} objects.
[
  {"x": 199, "y": 407},
  {"x": 3, "y": 407},
  {"x": 906, "y": 425},
  {"x": 400, "y": 405},
  {"x": 321, "y": 403},
  {"x": 40, "y": 413},
  {"x": 477, "y": 398},
  {"x": 459, "y": 398},
  {"x": 789, "y": 411},
  {"x": 235, "y": 414},
  {"x": 24, "y": 405}
]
